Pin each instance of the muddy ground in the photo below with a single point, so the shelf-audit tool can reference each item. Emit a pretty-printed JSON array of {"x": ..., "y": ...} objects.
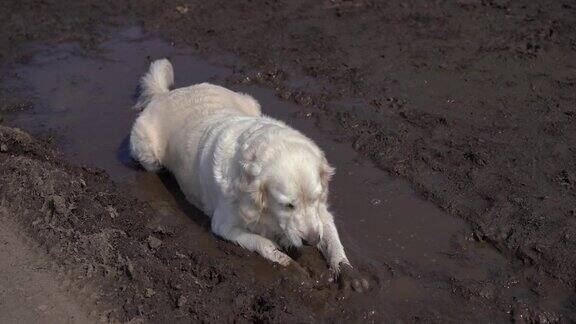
[{"x": 473, "y": 102}]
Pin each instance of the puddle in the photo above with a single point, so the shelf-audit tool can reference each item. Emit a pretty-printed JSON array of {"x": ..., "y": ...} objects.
[{"x": 85, "y": 101}]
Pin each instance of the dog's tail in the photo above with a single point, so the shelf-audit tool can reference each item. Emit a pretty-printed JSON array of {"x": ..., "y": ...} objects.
[{"x": 158, "y": 79}]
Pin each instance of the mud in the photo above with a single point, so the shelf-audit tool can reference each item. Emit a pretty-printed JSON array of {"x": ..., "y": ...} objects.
[{"x": 471, "y": 102}]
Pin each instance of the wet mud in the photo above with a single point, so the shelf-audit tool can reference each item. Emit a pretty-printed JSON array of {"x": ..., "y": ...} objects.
[
  {"x": 407, "y": 246},
  {"x": 474, "y": 208}
]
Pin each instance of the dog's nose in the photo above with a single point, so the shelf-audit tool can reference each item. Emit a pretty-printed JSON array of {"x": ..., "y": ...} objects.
[{"x": 313, "y": 238}]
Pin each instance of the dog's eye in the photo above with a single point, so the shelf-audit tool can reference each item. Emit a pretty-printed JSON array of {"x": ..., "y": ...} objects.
[{"x": 289, "y": 206}]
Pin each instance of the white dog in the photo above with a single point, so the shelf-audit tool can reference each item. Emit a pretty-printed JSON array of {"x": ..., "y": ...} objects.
[{"x": 263, "y": 184}]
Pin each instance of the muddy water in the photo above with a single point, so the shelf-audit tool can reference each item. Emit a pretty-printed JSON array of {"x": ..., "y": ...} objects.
[{"x": 84, "y": 101}]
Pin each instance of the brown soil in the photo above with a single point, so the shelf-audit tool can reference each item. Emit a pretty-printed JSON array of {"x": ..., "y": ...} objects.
[{"x": 471, "y": 101}]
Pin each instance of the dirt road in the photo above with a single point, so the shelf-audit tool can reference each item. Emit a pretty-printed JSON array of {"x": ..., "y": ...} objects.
[
  {"x": 471, "y": 102},
  {"x": 31, "y": 291}
]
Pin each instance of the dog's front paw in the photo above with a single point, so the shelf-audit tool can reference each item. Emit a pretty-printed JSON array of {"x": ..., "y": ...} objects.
[
  {"x": 350, "y": 279},
  {"x": 281, "y": 258}
]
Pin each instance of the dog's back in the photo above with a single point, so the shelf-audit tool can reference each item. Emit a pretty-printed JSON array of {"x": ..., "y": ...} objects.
[
  {"x": 160, "y": 77},
  {"x": 168, "y": 130}
]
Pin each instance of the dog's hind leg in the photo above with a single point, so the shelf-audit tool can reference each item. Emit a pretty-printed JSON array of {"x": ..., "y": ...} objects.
[{"x": 145, "y": 146}]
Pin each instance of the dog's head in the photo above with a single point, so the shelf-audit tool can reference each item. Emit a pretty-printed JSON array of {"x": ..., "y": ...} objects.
[{"x": 288, "y": 183}]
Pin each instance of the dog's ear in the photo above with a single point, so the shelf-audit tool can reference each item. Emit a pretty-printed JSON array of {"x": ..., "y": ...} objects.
[
  {"x": 252, "y": 202},
  {"x": 326, "y": 173},
  {"x": 258, "y": 195}
]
